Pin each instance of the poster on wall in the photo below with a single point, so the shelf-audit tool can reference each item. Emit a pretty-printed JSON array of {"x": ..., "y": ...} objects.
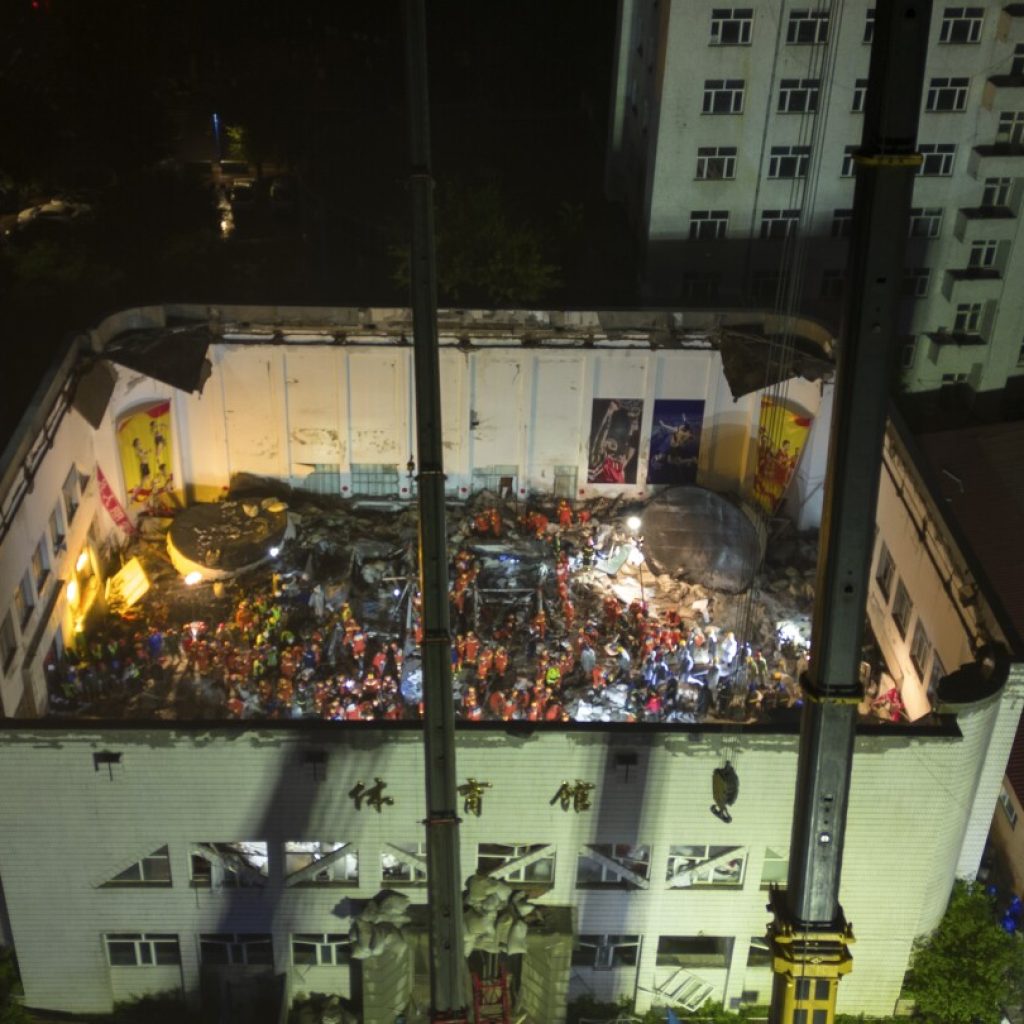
[
  {"x": 614, "y": 440},
  {"x": 144, "y": 444},
  {"x": 675, "y": 441},
  {"x": 781, "y": 438}
]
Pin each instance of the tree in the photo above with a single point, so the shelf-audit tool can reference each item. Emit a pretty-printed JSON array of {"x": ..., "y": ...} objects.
[
  {"x": 11, "y": 1011},
  {"x": 968, "y": 968}
]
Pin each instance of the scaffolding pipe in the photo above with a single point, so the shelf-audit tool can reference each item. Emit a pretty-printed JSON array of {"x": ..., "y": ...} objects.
[
  {"x": 809, "y": 934},
  {"x": 448, "y": 978}
]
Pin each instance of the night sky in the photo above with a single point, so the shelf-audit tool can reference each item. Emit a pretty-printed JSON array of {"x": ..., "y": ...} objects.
[{"x": 111, "y": 104}]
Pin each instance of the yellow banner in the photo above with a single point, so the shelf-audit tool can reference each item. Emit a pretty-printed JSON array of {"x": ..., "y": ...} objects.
[
  {"x": 144, "y": 443},
  {"x": 782, "y": 437}
]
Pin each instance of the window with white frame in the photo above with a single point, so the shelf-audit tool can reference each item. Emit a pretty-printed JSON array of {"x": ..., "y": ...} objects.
[
  {"x": 920, "y": 648},
  {"x": 320, "y": 949},
  {"x": 8, "y": 641},
  {"x": 565, "y": 481},
  {"x": 325, "y": 479},
  {"x": 759, "y": 953},
  {"x": 1006, "y": 803},
  {"x": 40, "y": 564},
  {"x": 24, "y": 598},
  {"x": 731, "y": 26},
  {"x": 952, "y": 379},
  {"x": 613, "y": 866},
  {"x": 220, "y": 949},
  {"x": 135, "y": 949},
  {"x": 961, "y": 25},
  {"x": 56, "y": 527},
  {"x": 937, "y": 160},
  {"x": 902, "y": 608},
  {"x": 915, "y": 282},
  {"x": 775, "y": 867},
  {"x": 798, "y": 95},
  {"x": 925, "y": 222},
  {"x": 860, "y": 92},
  {"x": 885, "y": 571},
  {"x": 807, "y": 27},
  {"x": 716, "y": 163},
  {"x": 983, "y": 253},
  {"x": 375, "y": 479},
  {"x": 152, "y": 871},
  {"x": 788, "y": 161},
  {"x": 694, "y": 951},
  {"x": 499, "y": 479},
  {"x": 869, "y": 25},
  {"x": 842, "y": 222},
  {"x": 832, "y": 284},
  {"x": 232, "y": 865},
  {"x": 1011, "y": 127},
  {"x": 779, "y": 223},
  {"x": 996, "y": 192},
  {"x": 517, "y": 862},
  {"x": 404, "y": 863},
  {"x": 849, "y": 167},
  {"x": 603, "y": 952},
  {"x": 708, "y": 225},
  {"x": 967, "y": 318},
  {"x": 318, "y": 862},
  {"x": 947, "y": 95},
  {"x": 71, "y": 493},
  {"x": 723, "y": 96},
  {"x": 702, "y": 865}
]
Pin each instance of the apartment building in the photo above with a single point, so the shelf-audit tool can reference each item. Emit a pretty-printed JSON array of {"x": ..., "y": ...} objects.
[
  {"x": 732, "y": 137},
  {"x": 203, "y": 857}
]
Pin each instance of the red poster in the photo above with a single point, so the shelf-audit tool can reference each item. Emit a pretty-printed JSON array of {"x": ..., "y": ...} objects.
[{"x": 112, "y": 505}]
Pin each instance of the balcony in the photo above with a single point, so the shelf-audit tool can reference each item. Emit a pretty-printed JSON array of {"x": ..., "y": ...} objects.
[
  {"x": 977, "y": 222},
  {"x": 975, "y": 284},
  {"x": 999, "y": 160},
  {"x": 1010, "y": 28},
  {"x": 1003, "y": 92},
  {"x": 958, "y": 339}
]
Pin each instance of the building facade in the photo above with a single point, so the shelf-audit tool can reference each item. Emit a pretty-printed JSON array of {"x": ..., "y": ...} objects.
[
  {"x": 731, "y": 142},
  {"x": 189, "y": 856}
]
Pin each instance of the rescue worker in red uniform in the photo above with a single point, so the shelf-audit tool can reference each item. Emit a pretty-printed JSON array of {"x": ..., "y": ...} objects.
[{"x": 564, "y": 513}]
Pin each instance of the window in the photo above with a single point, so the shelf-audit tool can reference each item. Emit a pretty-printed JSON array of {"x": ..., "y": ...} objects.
[
  {"x": 860, "y": 91},
  {"x": 517, "y": 862},
  {"x": 565, "y": 481},
  {"x": 1011, "y": 127},
  {"x": 8, "y": 641},
  {"x": 779, "y": 223},
  {"x": 24, "y": 599},
  {"x": 983, "y": 253},
  {"x": 603, "y": 952},
  {"x": 950, "y": 379},
  {"x": 946, "y": 94},
  {"x": 869, "y": 25},
  {"x": 132, "y": 949},
  {"x": 798, "y": 95},
  {"x": 320, "y": 863},
  {"x": 320, "y": 950},
  {"x": 72, "y": 493},
  {"x": 693, "y": 866},
  {"x": 885, "y": 571},
  {"x": 404, "y": 864},
  {"x": 375, "y": 479},
  {"x": 723, "y": 96},
  {"x": 842, "y": 222},
  {"x": 759, "y": 953},
  {"x": 832, "y": 282},
  {"x": 938, "y": 160},
  {"x": 694, "y": 951},
  {"x": 849, "y": 164},
  {"x": 938, "y": 672},
  {"x": 731, "y": 26},
  {"x": 716, "y": 163},
  {"x": 996, "y": 192},
  {"x": 40, "y": 565},
  {"x": 151, "y": 871},
  {"x": 232, "y": 865},
  {"x": 788, "y": 161},
  {"x": 56, "y": 527},
  {"x": 961, "y": 25},
  {"x": 701, "y": 285},
  {"x": 807, "y": 27},
  {"x": 775, "y": 869},
  {"x": 613, "y": 866},
  {"x": 708, "y": 224},
  {"x": 925, "y": 221},
  {"x": 915, "y": 282},
  {"x": 968, "y": 317},
  {"x": 325, "y": 479},
  {"x": 902, "y": 608},
  {"x": 1006, "y": 802},
  {"x": 920, "y": 648},
  {"x": 1017, "y": 65},
  {"x": 227, "y": 949},
  {"x": 499, "y": 479}
]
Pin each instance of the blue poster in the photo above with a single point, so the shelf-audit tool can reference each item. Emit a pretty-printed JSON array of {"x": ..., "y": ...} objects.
[{"x": 675, "y": 441}]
